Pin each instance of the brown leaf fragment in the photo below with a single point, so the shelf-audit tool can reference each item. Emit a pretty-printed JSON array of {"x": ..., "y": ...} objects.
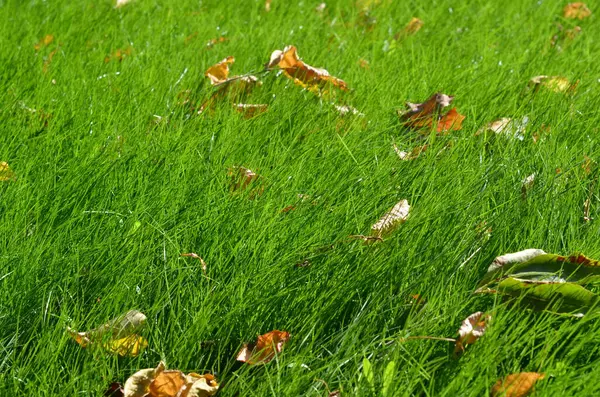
[
  {"x": 219, "y": 72},
  {"x": 394, "y": 217},
  {"x": 44, "y": 42},
  {"x": 413, "y": 154},
  {"x": 242, "y": 177},
  {"x": 264, "y": 349},
  {"x": 302, "y": 73},
  {"x": 412, "y": 27},
  {"x": 564, "y": 36},
  {"x": 167, "y": 384},
  {"x": 527, "y": 184},
  {"x": 363, "y": 63},
  {"x": 471, "y": 329},
  {"x": 212, "y": 42},
  {"x": 137, "y": 385},
  {"x": 516, "y": 385},
  {"x": 114, "y": 390},
  {"x": 577, "y": 10},
  {"x": 588, "y": 165},
  {"x": 553, "y": 83},
  {"x": 505, "y": 126},
  {"x": 250, "y": 110},
  {"x": 196, "y": 256},
  {"x": 119, "y": 55},
  {"x": 268, "y": 5},
  {"x": 199, "y": 386},
  {"x": 6, "y": 174},
  {"x": 428, "y": 113}
]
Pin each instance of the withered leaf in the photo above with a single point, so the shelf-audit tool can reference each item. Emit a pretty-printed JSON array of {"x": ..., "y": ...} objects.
[
  {"x": 471, "y": 329},
  {"x": 516, "y": 385},
  {"x": 137, "y": 384},
  {"x": 268, "y": 5},
  {"x": 506, "y": 126},
  {"x": 553, "y": 83},
  {"x": 394, "y": 217},
  {"x": 412, "y": 27},
  {"x": 264, "y": 349},
  {"x": 242, "y": 177},
  {"x": 250, "y": 110},
  {"x": 167, "y": 384},
  {"x": 429, "y": 113},
  {"x": 503, "y": 261},
  {"x": 119, "y": 55},
  {"x": 200, "y": 386},
  {"x": 413, "y": 154},
  {"x": 302, "y": 73},
  {"x": 44, "y": 42},
  {"x": 114, "y": 390},
  {"x": 121, "y": 3},
  {"x": 219, "y": 72},
  {"x": 6, "y": 174},
  {"x": 527, "y": 184},
  {"x": 577, "y": 10},
  {"x": 196, "y": 256}
]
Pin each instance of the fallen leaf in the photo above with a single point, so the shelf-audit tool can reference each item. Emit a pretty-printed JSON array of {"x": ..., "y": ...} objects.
[
  {"x": 471, "y": 329},
  {"x": 137, "y": 384},
  {"x": 506, "y": 126},
  {"x": 242, "y": 177},
  {"x": 249, "y": 110},
  {"x": 201, "y": 386},
  {"x": 320, "y": 8},
  {"x": 119, "y": 55},
  {"x": 167, "y": 384},
  {"x": 413, "y": 154},
  {"x": 121, "y": 3},
  {"x": 196, "y": 256},
  {"x": 412, "y": 27},
  {"x": 116, "y": 336},
  {"x": 564, "y": 36},
  {"x": 268, "y": 5},
  {"x": 586, "y": 210},
  {"x": 6, "y": 174},
  {"x": 219, "y": 72},
  {"x": 301, "y": 73},
  {"x": 429, "y": 113},
  {"x": 503, "y": 261},
  {"x": 576, "y": 10},
  {"x": 264, "y": 349},
  {"x": 44, "y": 42},
  {"x": 212, "y": 42},
  {"x": 553, "y": 83},
  {"x": 394, "y": 217},
  {"x": 114, "y": 390},
  {"x": 363, "y": 63},
  {"x": 516, "y": 385}
]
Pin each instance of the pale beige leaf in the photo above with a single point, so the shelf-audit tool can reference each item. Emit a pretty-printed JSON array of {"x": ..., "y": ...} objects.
[
  {"x": 121, "y": 3},
  {"x": 394, "y": 217},
  {"x": 137, "y": 385},
  {"x": 471, "y": 329},
  {"x": 201, "y": 386},
  {"x": 515, "y": 257}
]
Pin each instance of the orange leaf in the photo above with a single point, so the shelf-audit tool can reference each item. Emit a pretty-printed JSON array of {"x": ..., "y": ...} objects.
[
  {"x": 471, "y": 329},
  {"x": 303, "y": 74},
  {"x": 516, "y": 385},
  {"x": 211, "y": 43},
  {"x": 250, "y": 110},
  {"x": 428, "y": 113},
  {"x": 118, "y": 55},
  {"x": 264, "y": 349},
  {"x": 576, "y": 10},
  {"x": 219, "y": 72},
  {"x": 167, "y": 384},
  {"x": 451, "y": 121},
  {"x": 412, "y": 27},
  {"x": 45, "y": 42}
]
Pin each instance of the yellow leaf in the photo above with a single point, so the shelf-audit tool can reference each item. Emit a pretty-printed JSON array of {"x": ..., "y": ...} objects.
[
  {"x": 219, "y": 72},
  {"x": 131, "y": 345},
  {"x": 201, "y": 385},
  {"x": 553, "y": 83},
  {"x": 516, "y": 385},
  {"x": 6, "y": 174},
  {"x": 137, "y": 385}
]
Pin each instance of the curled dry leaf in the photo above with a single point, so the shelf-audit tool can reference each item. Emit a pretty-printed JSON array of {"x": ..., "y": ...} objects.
[
  {"x": 249, "y": 110},
  {"x": 516, "y": 385},
  {"x": 394, "y": 217},
  {"x": 6, "y": 174},
  {"x": 429, "y": 113},
  {"x": 471, "y": 329},
  {"x": 196, "y": 256},
  {"x": 413, "y": 154},
  {"x": 412, "y": 27},
  {"x": 516, "y": 257},
  {"x": 242, "y": 177},
  {"x": 44, "y": 42},
  {"x": 137, "y": 385},
  {"x": 117, "y": 335},
  {"x": 219, "y": 72},
  {"x": 506, "y": 126},
  {"x": 268, "y": 5},
  {"x": 553, "y": 83},
  {"x": 301, "y": 73},
  {"x": 264, "y": 349},
  {"x": 121, "y": 3},
  {"x": 577, "y": 10}
]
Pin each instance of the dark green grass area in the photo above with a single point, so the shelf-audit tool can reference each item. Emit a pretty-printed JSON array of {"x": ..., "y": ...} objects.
[{"x": 106, "y": 199}]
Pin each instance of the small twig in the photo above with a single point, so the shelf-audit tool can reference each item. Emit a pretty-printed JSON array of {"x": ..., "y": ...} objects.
[{"x": 202, "y": 263}]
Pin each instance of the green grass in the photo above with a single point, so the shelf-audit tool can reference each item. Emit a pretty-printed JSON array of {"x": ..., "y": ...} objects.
[{"x": 71, "y": 251}]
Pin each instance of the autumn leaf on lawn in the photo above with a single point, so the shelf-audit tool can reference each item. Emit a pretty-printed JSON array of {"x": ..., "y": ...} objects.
[
  {"x": 264, "y": 349},
  {"x": 158, "y": 382},
  {"x": 553, "y": 83},
  {"x": 212, "y": 42},
  {"x": 116, "y": 336},
  {"x": 119, "y": 55},
  {"x": 302, "y": 73},
  {"x": 219, "y": 72},
  {"x": 576, "y": 10},
  {"x": 429, "y": 113},
  {"x": 44, "y": 42},
  {"x": 471, "y": 329},
  {"x": 527, "y": 184},
  {"x": 268, "y": 5},
  {"x": 507, "y": 127},
  {"x": 390, "y": 221},
  {"x": 242, "y": 177},
  {"x": 564, "y": 36},
  {"x": 250, "y": 110},
  {"x": 413, "y": 154},
  {"x": 412, "y": 27},
  {"x": 516, "y": 385},
  {"x": 6, "y": 174},
  {"x": 121, "y": 3}
]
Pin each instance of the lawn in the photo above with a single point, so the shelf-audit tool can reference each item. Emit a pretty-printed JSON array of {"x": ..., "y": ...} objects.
[{"x": 121, "y": 158}]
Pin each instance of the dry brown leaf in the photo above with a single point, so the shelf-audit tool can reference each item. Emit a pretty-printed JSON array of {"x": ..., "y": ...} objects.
[
  {"x": 200, "y": 386},
  {"x": 264, "y": 349},
  {"x": 471, "y": 329},
  {"x": 119, "y": 55},
  {"x": 429, "y": 113},
  {"x": 114, "y": 390},
  {"x": 527, "y": 184},
  {"x": 516, "y": 385},
  {"x": 212, "y": 42},
  {"x": 219, "y": 72},
  {"x": 6, "y": 174},
  {"x": 553, "y": 83},
  {"x": 412, "y": 27},
  {"x": 413, "y": 154},
  {"x": 167, "y": 384},
  {"x": 301, "y": 73},
  {"x": 242, "y": 177},
  {"x": 394, "y": 217},
  {"x": 137, "y": 384},
  {"x": 577, "y": 10},
  {"x": 363, "y": 63},
  {"x": 44, "y": 42},
  {"x": 196, "y": 256},
  {"x": 249, "y": 110},
  {"x": 268, "y": 5},
  {"x": 565, "y": 36}
]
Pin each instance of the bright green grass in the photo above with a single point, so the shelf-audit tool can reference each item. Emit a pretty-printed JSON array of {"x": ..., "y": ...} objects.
[{"x": 65, "y": 262}]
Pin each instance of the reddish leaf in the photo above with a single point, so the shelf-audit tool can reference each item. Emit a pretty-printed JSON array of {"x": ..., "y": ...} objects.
[
  {"x": 429, "y": 113},
  {"x": 264, "y": 349}
]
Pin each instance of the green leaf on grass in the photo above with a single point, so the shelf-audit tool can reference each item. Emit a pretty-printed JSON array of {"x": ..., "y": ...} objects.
[
  {"x": 388, "y": 378},
  {"x": 368, "y": 373}
]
